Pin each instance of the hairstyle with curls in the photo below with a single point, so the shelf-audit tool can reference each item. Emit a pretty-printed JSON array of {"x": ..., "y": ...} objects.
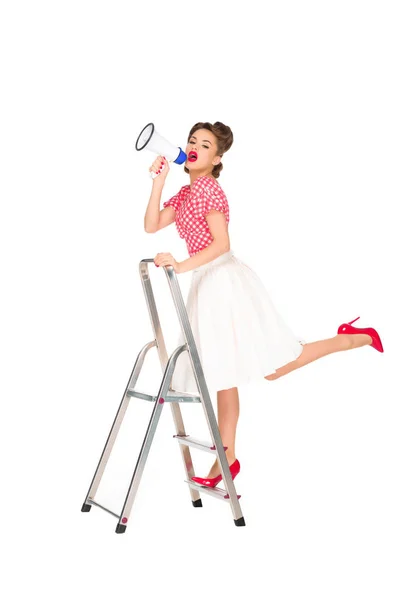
[{"x": 224, "y": 136}]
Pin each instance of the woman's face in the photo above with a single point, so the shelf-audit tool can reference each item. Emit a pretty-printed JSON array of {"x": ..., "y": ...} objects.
[{"x": 203, "y": 146}]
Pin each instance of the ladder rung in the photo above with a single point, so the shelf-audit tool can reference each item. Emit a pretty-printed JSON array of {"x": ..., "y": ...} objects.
[
  {"x": 89, "y": 501},
  {"x": 172, "y": 396},
  {"x": 191, "y": 441},
  {"x": 216, "y": 492}
]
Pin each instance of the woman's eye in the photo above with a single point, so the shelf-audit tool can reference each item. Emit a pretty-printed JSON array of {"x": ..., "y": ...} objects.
[{"x": 207, "y": 147}]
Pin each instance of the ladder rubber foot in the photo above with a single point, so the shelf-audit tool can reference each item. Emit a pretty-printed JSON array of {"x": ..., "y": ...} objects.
[
  {"x": 197, "y": 502},
  {"x": 86, "y": 507},
  {"x": 120, "y": 528},
  {"x": 239, "y": 522}
]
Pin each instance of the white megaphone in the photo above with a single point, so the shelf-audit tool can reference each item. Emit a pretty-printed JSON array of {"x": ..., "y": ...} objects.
[{"x": 153, "y": 141}]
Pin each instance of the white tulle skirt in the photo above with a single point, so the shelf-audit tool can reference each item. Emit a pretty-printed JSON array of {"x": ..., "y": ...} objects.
[{"x": 239, "y": 334}]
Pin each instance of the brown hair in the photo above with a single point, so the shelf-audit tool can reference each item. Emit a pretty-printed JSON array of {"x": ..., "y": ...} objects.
[{"x": 224, "y": 136}]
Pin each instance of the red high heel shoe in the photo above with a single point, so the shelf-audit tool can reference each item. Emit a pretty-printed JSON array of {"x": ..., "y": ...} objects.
[
  {"x": 212, "y": 482},
  {"x": 376, "y": 340}
]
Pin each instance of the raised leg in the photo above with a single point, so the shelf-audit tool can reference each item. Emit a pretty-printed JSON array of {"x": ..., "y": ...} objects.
[{"x": 320, "y": 348}]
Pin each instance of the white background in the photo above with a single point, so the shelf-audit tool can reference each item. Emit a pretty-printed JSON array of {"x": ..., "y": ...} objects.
[{"x": 311, "y": 92}]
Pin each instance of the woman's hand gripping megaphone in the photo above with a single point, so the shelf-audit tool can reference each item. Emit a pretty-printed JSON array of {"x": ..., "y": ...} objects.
[{"x": 160, "y": 168}]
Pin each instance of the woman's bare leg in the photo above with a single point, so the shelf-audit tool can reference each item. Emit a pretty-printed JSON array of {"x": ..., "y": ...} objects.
[
  {"x": 228, "y": 400},
  {"x": 228, "y": 415},
  {"x": 315, "y": 350}
]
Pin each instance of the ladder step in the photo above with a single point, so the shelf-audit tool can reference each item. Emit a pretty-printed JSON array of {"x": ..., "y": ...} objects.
[
  {"x": 188, "y": 440},
  {"x": 89, "y": 501},
  {"x": 216, "y": 492},
  {"x": 172, "y": 396}
]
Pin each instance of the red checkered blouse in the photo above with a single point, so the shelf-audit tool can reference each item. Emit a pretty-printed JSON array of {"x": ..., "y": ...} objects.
[{"x": 192, "y": 205}]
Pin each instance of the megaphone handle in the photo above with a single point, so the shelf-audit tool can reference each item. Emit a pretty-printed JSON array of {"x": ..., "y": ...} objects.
[{"x": 154, "y": 175}]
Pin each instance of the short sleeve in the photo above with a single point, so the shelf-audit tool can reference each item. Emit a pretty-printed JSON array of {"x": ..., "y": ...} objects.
[
  {"x": 209, "y": 200},
  {"x": 174, "y": 201}
]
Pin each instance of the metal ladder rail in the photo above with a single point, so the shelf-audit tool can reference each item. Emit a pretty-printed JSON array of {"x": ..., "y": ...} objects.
[{"x": 199, "y": 376}]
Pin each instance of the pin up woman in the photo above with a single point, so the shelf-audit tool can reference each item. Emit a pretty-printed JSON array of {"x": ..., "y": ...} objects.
[{"x": 239, "y": 334}]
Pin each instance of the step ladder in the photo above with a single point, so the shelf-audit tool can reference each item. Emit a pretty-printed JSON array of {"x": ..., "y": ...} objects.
[{"x": 173, "y": 397}]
